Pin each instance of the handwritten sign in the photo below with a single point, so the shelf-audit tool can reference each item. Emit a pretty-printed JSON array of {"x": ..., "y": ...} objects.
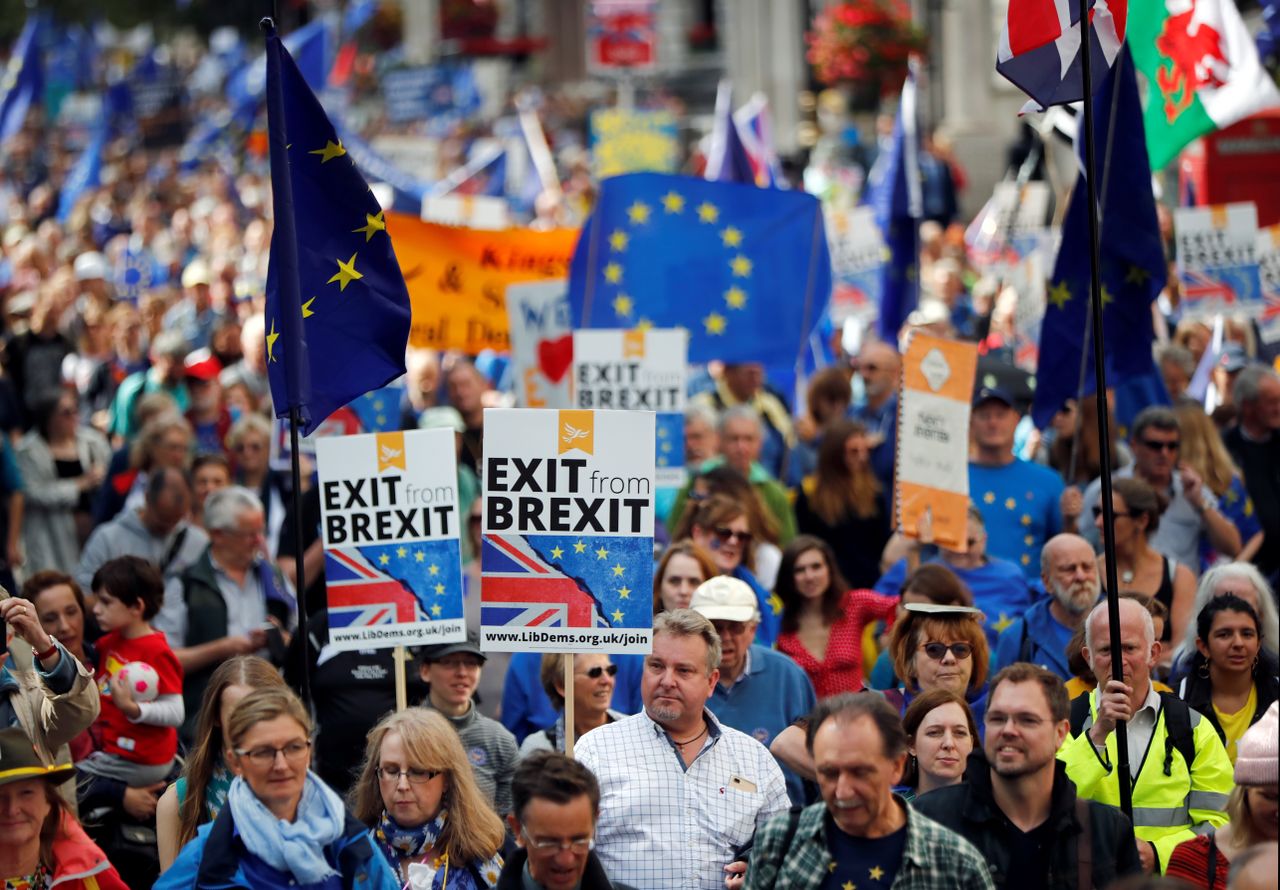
[{"x": 541, "y": 343}]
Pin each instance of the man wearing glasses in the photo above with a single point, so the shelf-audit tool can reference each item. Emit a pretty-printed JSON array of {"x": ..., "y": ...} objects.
[
  {"x": 556, "y": 804},
  {"x": 1192, "y": 515}
]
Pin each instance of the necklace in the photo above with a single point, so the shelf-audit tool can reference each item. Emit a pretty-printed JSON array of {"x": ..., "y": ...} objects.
[
  {"x": 1127, "y": 576},
  {"x": 681, "y": 745}
]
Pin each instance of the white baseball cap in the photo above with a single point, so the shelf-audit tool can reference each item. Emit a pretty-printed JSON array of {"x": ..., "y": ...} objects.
[{"x": 724, "y": 598}]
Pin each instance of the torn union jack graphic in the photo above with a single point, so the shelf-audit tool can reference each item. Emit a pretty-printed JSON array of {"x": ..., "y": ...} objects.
[
  {"x": 361, "y": 594},
  {"x": 522, "y": 590}
]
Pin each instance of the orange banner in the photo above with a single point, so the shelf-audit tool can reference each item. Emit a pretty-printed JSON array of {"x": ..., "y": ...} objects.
[{"x": 458, "y": 278}]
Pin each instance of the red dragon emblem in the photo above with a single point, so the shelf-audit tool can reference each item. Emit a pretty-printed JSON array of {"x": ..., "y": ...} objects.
[{"x": 1193, "y": 51}]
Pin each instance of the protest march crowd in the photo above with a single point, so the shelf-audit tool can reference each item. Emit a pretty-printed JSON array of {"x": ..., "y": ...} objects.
[{"x": 828, "y": 703}]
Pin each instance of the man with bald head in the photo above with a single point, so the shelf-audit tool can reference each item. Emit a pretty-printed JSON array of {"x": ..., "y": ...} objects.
[
  {"x": 1177, "y": 793},
  {"x": 880, "y": 368},
  {"x": 1069, "y": 571}
]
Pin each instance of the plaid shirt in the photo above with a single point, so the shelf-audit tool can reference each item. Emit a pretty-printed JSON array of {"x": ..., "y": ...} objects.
[
  {"x": 935, "y": 858},
  {"x": 663, "y": 827}
]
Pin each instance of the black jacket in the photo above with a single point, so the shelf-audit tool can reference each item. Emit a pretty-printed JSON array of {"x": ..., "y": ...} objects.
[
  {"x": 1197, "y": 691},
  {"x": 594, "y": 878},
  {"x": 969, "y": 809}
]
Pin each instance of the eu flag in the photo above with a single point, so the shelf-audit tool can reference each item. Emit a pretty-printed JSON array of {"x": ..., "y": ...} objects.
[
  {"x": 894, "y": 193},
  {"x": 23, "y": 81},
  {"x": 744, "y": 269},
  {"x": 1133, "y": 266},
  {"x": 337, "y": 310}
]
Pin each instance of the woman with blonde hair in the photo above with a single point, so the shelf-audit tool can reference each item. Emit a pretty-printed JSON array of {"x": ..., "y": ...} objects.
[
  {"x": 1203, "y": 451},
  {"x": 417, "y": 795},
  {"x": 201, "y": 790},
  {"x": 684, "y": 565}
]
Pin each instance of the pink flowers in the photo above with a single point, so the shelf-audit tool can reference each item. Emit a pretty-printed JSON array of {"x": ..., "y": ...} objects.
[{"x": 864, "y": 41}]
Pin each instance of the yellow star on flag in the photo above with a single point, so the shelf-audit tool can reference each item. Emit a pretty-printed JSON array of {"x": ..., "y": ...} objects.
[
  {"x": 741, "y": 266},
  {"x": 644, "y": 324},
  {"x": 707, "y": 212},
  {"x": 989, "y": 497},
  {"x": 1026, "y": 519},
  {"x": 602, "y": 553},
  {"x": 419, "y": 556},
  {"x": 877, "y": 873},
  {"x": 622, "y": 306},
  {"x": 401, "y": 552},
  {"x": 556, "y": 553},
  {"x": 579, "y": 547},
  {"x": 714, "y": 323},
  {"x": 624, "y": 592},
  {"x": 736, "y": 297},
  {"x": 618, "y": 570},
  {"x": 1107, "y": 299},
  {"x": 1060, "y": 295},
  {"x": 1136, "y": 275},
  {"x": 1004, "y": 622},
  {"x": 617, "y": 616},
  {"x": 439, "y": 588},
  {"x": 731, "y": 237},
  {"x": 618, "y": 240},
  {"x": 848, "y": 885},
  {"x": 384, "y": 559},
  {"x": 613, "y": 273},
  {"x": 271, "y": 341},
  {"x": 329, "y": 152},
  {"x": 346, "y": 273},
  {"x": 436, "y": 610},
  {"x": 673, "y": 202},
  {"x": 307, "y": 311},
  {"x": 639, "y": 212},
  {"x": 1010, "y": 504},
  {"x": 433, "y": 569},
  {"x": 831, "y": 866},
  {"x": 372, "y": 226}
]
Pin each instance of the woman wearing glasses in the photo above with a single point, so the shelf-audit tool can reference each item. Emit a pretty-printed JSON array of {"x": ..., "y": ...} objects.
[
  {"x": 426, "y": 815},
  {"x": 1139, "y": 566},
  {"x": 281, "y": 826},
  {"x": 593, "y": 682},
  {"x": 940, "y": 647}
]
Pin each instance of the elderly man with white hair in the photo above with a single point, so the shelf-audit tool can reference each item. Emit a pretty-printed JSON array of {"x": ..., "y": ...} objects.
[{"x": 1180, "y": 773}]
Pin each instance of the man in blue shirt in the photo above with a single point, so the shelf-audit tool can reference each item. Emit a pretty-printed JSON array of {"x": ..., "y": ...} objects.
[
  {"x": 761, "y": 692},
  {"x": 1070, "y": 574},
  {"x": 1019, "y": 500}
]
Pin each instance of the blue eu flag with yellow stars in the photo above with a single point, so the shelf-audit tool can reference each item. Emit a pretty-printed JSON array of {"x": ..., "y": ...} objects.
[
  {"x": 745, "y": 270},
  {"x": 337, "y": 311},
  {"x": 1133, "y": 268}
]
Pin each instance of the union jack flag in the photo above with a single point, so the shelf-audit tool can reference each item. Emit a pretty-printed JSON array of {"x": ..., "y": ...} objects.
[
  {"x": 360, "y": 594},
  {"x": 519, "y": 589},
  {"x": 1040, "y": 47}
]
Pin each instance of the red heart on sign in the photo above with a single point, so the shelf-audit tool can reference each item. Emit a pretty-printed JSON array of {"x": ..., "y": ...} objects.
[{"x": 555, "y": 357}]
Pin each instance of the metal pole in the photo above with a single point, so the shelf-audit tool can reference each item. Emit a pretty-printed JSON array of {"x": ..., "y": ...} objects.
[
  {"x": 295, "y": 420},
  {"x": 1104, "y": 432}
]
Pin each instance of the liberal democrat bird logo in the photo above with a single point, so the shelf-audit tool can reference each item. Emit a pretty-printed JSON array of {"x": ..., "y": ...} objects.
[{"x": 573, "y": 434}]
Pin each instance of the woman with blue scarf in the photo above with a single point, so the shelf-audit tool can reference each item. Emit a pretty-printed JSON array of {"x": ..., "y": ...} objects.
[
  {"x": 417, "y": 794},
  {"x": 281, "y": 826}
]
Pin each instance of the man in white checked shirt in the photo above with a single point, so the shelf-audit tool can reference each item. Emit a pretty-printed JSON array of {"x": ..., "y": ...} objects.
[{"x": 680, "y": 794}]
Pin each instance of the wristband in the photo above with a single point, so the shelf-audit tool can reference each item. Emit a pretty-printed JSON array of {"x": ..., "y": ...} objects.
[{"x": 48, "y": 653}]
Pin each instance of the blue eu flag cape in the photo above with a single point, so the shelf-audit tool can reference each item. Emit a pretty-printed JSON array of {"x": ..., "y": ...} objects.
[
  {"x": 337, "y": 311},
  {"x": 23, "y": 80},
  {"x": 1133, "y": 268},
  {"x": 744, "y": 269}
]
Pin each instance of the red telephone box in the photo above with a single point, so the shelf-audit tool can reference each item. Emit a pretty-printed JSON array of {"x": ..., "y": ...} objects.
[{"x": 1240, "y": 163}]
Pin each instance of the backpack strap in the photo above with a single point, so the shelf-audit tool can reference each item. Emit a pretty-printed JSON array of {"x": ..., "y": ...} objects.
[
  {"x": 1211, "y": 862},
  {"x": 1084, "y": 846},
  {"x": 793, "y": 822},
  {"x": 1024, "y": 643},
  {"x": 1081, "y": 714},
  {"x": 1177, "y": 731}
]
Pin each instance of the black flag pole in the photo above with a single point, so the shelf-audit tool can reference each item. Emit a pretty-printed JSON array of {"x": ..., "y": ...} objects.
[{"x": 1104, "y": 432}]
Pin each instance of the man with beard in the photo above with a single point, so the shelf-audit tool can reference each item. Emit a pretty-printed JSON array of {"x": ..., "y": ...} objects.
[
  {"x": 681, "y": 794},
  {"x": 1019, "y": 808},
  {"x": 1069, "y": 571},
  {"x": 861, "y": 834}
]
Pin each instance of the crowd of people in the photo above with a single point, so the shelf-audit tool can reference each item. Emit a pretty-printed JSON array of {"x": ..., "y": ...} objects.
[{"x": 827, "y": 704}]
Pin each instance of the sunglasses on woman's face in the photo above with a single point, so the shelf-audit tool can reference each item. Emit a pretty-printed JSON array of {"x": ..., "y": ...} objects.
[
  {"x": 595, "y": 672},
  {"x": 938, "y": 651},
  {"x": 725, "y": 535}
]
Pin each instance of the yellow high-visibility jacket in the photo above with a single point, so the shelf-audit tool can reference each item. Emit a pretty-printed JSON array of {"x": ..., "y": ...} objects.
[{"x": 1167, "y": 809}]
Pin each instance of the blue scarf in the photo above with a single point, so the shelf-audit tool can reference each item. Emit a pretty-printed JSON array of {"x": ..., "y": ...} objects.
[
  {"x": 295, "y": 847},
  {"x": 399, "y": 843}
]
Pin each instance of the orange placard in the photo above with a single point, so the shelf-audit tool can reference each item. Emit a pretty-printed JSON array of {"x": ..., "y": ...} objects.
[{"x": 457, "y": 278}]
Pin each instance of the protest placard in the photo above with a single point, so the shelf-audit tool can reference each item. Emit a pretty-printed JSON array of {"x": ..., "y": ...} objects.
[
  {"x": 622, "y": 35},
  {"x": 1216, "y": 261},
  {"x": 567, "y": 548},
  {"x": 933, "y": 439},
  {"x": 638, "y": 369},
  {"x": 390, "y": 524},
  {"x": 541, "y": 343},
  {"x": 624, "y": 140},
  {"x": 1268, "y": 256},
  {"x": 469, "y": 211},
  {"x": 857, "y": 253},
  {"x": 457, "y": 278}
]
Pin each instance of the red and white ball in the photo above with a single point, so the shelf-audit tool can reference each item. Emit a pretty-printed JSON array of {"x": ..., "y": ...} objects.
[{"x": 142, "y": 680}]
